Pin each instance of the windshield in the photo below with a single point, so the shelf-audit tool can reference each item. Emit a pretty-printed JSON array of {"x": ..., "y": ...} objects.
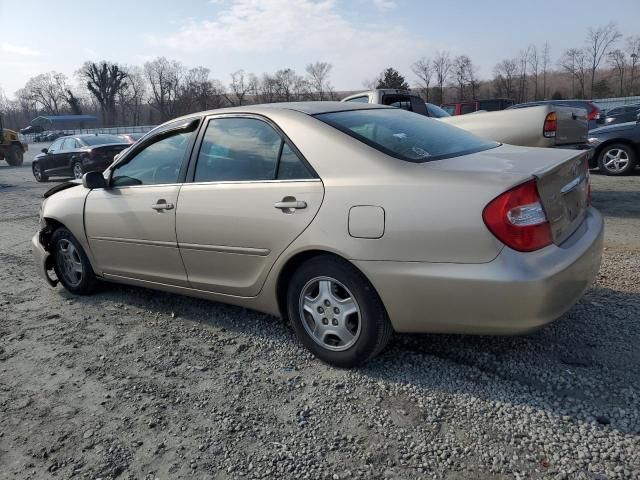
[
  {"x": 101, "y": 140},
  {"x": 405, "y": 135}
]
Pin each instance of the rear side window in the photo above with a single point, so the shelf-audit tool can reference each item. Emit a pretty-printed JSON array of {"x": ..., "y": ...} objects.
[
  {"x": 410, "y": 137},
  {"x": 467, "y": 108},
  {"x": 243, "y": 149},
  {"x": 364, "y": 99}
]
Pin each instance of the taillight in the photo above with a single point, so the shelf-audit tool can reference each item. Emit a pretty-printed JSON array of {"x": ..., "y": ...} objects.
[
  {"x": 518, "y": 220},
  {"x": 594, "y": 113},
  {"x": 550, "y": 125}
]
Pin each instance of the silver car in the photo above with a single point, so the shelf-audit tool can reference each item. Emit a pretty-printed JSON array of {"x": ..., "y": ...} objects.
[{"x": 351, "y": 220}]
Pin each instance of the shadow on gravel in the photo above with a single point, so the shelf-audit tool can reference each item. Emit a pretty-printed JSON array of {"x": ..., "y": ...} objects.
[
  {"x": 583, "y": 366},
  {"x": 616, "y": 203}
]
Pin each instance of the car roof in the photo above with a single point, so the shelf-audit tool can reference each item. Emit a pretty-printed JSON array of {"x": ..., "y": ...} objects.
[{"x": 309, "y": 108}]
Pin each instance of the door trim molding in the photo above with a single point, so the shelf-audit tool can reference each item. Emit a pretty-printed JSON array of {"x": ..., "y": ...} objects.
[
  {"x": 260, "y": 252},
  {"x": 153, "y": 243}
]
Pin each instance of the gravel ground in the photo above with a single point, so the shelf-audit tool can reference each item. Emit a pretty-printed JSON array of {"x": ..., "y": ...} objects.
[{"x": 131, "y": 383}]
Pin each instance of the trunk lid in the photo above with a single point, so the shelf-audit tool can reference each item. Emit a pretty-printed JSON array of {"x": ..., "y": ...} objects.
[
  {"x": 564, "y": 193},
  {"x": 561, "y": 176},
  {"x": 573, "y": 125}
]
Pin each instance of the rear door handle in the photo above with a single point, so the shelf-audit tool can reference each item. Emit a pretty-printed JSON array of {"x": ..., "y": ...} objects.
[
  {"x": 290, "y": 204},
  {"x": 162, "y": 205}
]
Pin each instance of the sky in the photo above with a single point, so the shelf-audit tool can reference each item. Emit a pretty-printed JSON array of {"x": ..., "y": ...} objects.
[{"x": 358, "y": 37}]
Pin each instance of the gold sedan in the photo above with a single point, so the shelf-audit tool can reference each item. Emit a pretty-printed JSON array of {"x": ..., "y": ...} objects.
[{"x": 350, "y": 220}]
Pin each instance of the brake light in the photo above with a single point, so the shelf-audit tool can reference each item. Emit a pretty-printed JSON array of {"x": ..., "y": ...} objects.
[
  {"x": 550, "y": 125},
  {"x": 594, "y": 113},
  {"x": 518, "y": 220}
]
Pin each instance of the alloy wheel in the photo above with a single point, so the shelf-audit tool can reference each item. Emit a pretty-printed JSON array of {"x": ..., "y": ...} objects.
[
  {"x": 37, "y": 171},
  {"x": 616, "y": 160},
  {"x": 77, "y": 170},
  {"x": 69, "y": 262},
  {"x": 330, "y": 314}
]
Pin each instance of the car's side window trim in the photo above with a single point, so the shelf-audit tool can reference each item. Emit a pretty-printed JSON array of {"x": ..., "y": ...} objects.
[
  {"x": 161, "y": 135},
  {"x": 191, "y": 170}
]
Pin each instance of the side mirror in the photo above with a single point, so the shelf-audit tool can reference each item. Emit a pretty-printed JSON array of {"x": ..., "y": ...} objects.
[
  {"x": 93, "y": 180},
  {"x": 44, "y": 150}
]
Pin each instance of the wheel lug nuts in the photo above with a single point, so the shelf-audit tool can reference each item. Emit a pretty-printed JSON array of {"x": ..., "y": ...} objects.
[
  {"x": 320, "y": 310},
  {"x": 335, "y": 321},
  {"x": 325, "y": 321},
  {"x": 327, "y": 303},
  {"x": 336, "y": 310}
]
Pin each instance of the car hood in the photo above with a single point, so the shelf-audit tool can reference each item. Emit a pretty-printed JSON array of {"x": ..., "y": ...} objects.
[{"x": 618, "y": 127}]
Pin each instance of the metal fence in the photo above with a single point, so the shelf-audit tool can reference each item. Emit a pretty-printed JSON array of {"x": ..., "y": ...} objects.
[
  {"x": 31, "y": 138},
  {"x": 609, "y": 103}
]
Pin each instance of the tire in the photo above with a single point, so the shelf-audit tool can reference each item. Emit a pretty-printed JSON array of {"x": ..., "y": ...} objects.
[
  {"x": 71, "y": 264},
  {"x": 36, "y": 168},
  {"x": 617, "y": 159},
  {"x": 329, "y": 287},
  {"x": 14, "y": 156},
  {"x": 77, "y": 170}
]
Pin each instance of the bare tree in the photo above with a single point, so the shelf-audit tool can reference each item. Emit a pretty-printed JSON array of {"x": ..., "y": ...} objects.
[
  {"x": 505, "y": 77},
  {"x": 534, "y": 63},
  {"x": 633, "y": 49},
  {"x": 47, "y": 91},
  {"x": 618, "y": 62},
  {"x": 423, "y": 69},
  {"x": 523, "y": 62},
  {"x": 574, "y": 62},
  {"x": 241, "y": 85},
  {"x": 104, "y": 81},
  {"x": 318, "y": 78},
  {"x": 546, "y": 60},
  {"x": 599, "y": 40},
  {"x": 442, "y": 69},
  {"x": 461, "y": 67},
  {"x": 164, "y": 77},
  {"x": 131, "y": 98}
]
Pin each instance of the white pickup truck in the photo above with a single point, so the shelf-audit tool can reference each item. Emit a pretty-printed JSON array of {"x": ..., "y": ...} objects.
[{"x": 539, "y": 126}]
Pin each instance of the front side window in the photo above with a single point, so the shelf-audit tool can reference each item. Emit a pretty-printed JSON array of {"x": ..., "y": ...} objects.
[
  {"x": 157, "y": 163},
  {"x": 245, "y": 149},
  {"x": 410, "y": 137},
  {"x": 69, "y": 144},
  {"x": 55, "y": 146}
]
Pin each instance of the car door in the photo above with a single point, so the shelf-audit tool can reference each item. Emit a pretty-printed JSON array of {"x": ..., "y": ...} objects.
[
  {"x": 63, "y": 159},
  {"x": 51, "y": 162},
  {"x": 252, "y": 194},
  {"x": 131, "y": 225}
]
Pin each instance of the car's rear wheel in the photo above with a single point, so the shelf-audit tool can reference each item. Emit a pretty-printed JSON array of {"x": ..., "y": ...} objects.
[
  {"x": 336, "y": 312},
  {"x": 617, "y": 159},
  {"x": 71, "y": 264},
  {"x": 38, "y": 172},
  {"x": 77, "y": 170}
]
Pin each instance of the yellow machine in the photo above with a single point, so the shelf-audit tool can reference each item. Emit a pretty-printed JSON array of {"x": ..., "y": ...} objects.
[{"x": 11, "y": 148}]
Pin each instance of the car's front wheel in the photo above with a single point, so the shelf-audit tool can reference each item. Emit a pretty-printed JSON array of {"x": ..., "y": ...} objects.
[
  {"x": 336, "y": 312},
  {"x": 71, "y": 264},
  {"x": 38, "y": 172},
  {"x": 617, "y": 159}
]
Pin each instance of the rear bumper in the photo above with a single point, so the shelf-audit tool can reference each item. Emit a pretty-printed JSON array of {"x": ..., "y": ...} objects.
[
  {"x": 41, "y": 259},
  {"x": 515, "y": 293}
]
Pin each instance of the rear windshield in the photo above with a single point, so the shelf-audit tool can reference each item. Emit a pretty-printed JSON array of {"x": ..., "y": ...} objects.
[
  {"x": 406, "y": 135},
  {"x": 101, "y": 140}
]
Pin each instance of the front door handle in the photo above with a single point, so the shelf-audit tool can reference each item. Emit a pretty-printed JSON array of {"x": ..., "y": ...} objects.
[
  {"x": 162, "y": 205},
  {"x": 290, "y": 204}
]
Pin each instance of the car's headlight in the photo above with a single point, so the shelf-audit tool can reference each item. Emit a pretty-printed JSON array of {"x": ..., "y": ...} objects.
[{"x": 593, "y": 141}]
